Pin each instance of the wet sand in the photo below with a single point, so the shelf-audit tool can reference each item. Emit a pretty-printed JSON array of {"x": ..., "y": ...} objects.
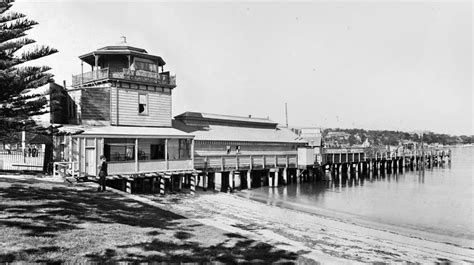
[{"x": 318, "y": 237}]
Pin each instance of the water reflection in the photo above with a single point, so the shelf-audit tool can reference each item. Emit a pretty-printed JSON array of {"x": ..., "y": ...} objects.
[{"x": 408, "y": 196}]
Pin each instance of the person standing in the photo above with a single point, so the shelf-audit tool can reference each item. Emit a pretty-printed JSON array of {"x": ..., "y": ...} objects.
[{"x": 102, "y": 173}]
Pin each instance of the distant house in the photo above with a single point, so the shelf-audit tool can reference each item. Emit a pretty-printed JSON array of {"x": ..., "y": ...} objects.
[
  {"x": 366, "y": 143},
  {"x": 311, "y": 135},
  {"x": 338, "y": 135}
]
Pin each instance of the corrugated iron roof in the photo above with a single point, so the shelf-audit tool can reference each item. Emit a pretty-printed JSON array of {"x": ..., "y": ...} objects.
[
  {"x": 221, "y": 117},
  {"x": 128, "y": 131},
  {"x": 241, "y": 134}
]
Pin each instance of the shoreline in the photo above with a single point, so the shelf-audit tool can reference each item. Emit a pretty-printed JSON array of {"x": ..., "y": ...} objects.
[
  {"x": 329, "y": 237},
  {"x": 431, "y": 235}
]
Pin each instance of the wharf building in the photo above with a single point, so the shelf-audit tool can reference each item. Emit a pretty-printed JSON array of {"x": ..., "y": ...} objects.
[
  {"x": 240, "y": 152},
  {"x": 123, "y": 111}
]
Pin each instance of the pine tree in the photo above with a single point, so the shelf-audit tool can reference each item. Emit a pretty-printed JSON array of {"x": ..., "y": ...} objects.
[{"x": 18, "y": 80}]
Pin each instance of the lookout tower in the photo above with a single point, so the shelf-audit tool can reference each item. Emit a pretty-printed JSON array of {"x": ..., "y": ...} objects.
[
  {"x": 124, "y": 110},
  {"x": 125, "y": 86}
]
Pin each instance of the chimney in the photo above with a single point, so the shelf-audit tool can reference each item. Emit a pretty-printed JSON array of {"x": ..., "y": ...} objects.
[
  {"x": 250, "y": 116},
  {"x": 124, "y": 39}
]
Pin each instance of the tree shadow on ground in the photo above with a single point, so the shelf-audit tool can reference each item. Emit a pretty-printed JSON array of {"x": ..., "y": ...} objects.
[
  {"x": 48, "y": 209},
  {"x": 243, "y": 251},
  {"x": 58, "y": 207}
]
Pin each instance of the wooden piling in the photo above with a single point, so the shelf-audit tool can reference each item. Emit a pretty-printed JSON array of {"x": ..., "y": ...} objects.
[
  {"x": 128, "y": 188},
  {"x": 162, "y": 185},
  {"x": 193, "y": 184}
]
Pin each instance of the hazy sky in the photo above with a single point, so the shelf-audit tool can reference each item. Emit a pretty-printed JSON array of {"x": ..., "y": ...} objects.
[{"x": 374, "y": 65}]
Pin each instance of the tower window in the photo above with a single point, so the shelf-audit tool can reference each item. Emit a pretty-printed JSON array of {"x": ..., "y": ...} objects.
[{"x": 143, "y": 104}]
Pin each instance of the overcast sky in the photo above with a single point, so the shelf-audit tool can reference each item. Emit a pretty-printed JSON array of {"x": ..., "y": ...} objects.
[{"x": 391, "y": 65}]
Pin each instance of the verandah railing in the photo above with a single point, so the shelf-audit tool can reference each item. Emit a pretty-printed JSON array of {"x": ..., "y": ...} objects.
[{"x": 126, "y": 74}]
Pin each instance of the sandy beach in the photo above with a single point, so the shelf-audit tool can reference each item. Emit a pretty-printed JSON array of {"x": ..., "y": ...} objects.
[
  {"x": 180, "y": 227},
  {"x": 321, "y": 238}
]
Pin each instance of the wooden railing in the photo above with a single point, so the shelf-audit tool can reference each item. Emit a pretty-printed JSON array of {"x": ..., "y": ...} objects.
[
  {"x": 66, "y": 169},
  {"x": 125, "y": 74},
  {"x": 407, "y": 153},
  {"x": 244, "y": 162},
  {"x": 343, "y": 155}
]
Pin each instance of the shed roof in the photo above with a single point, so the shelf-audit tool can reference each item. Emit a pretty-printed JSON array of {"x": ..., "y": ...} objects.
[{"x": 129, "y": 131}]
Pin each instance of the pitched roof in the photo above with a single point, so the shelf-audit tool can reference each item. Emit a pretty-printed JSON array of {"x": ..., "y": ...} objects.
[
  {"x": 241, "y": 134},
  {"x": 120, "y": 50},
  {"x": 193, "y": 117}
]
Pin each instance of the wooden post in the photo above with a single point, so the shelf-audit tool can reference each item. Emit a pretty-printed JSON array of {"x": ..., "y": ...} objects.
[
  {"x": 180, "y": 182},
  {"x": 270, "y": 180},
  {"x": 129, "y": 186},
  {"x": 205, "y": 181},
  {"x": 96, "y": 57},
  {"x": 193, "y": 183},
  {"x": 249, "y": 179},
  {"x": 162, "y": 185},
  {"x": 277, "y": 175},
  {"x": 153, "y": 185},
  {"x": 218, "y": 181},
  {"x": 166, "y": 153}
]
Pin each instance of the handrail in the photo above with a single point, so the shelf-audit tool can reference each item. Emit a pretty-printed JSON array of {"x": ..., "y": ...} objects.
[
  {"x": 238, "y": 161},
  {"x": 64, "y": 169},
  {"x": 125, "y": 74}
]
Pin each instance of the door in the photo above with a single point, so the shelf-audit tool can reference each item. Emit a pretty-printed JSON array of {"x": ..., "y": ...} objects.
[{"x": 90, "y": 161}]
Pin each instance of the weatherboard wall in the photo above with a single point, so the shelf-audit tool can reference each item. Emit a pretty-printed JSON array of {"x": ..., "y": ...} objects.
[{"x": 124, "y": 108}]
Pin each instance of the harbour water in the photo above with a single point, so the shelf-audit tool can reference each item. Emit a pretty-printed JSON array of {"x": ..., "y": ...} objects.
[{"x": 438, "y": 201}]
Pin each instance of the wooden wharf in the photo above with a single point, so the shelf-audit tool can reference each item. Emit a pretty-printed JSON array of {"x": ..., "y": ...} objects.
[
  {"x": 337, "y": 164},
  {"x": 352, "y": 162}
]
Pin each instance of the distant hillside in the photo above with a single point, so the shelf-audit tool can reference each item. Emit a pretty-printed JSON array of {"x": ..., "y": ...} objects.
[{"x": 350, "y": 137}]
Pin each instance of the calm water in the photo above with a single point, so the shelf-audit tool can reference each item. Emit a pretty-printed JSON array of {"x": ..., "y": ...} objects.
[{"x": 439, "y": 201}]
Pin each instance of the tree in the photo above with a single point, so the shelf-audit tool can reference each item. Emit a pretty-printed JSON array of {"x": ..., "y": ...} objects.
[{"x": 18, "y": 101}]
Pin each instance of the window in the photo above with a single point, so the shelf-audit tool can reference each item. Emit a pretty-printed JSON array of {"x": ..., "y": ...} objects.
[
  {"x": 184, "y": 149},
  {"x": 157, "y": 151},
  {"x": 179, "y": 149},
  {"x": 150, "y": 67},
  {"x": 119, "y": 149},
  {"x": 143, "y": 104}
]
